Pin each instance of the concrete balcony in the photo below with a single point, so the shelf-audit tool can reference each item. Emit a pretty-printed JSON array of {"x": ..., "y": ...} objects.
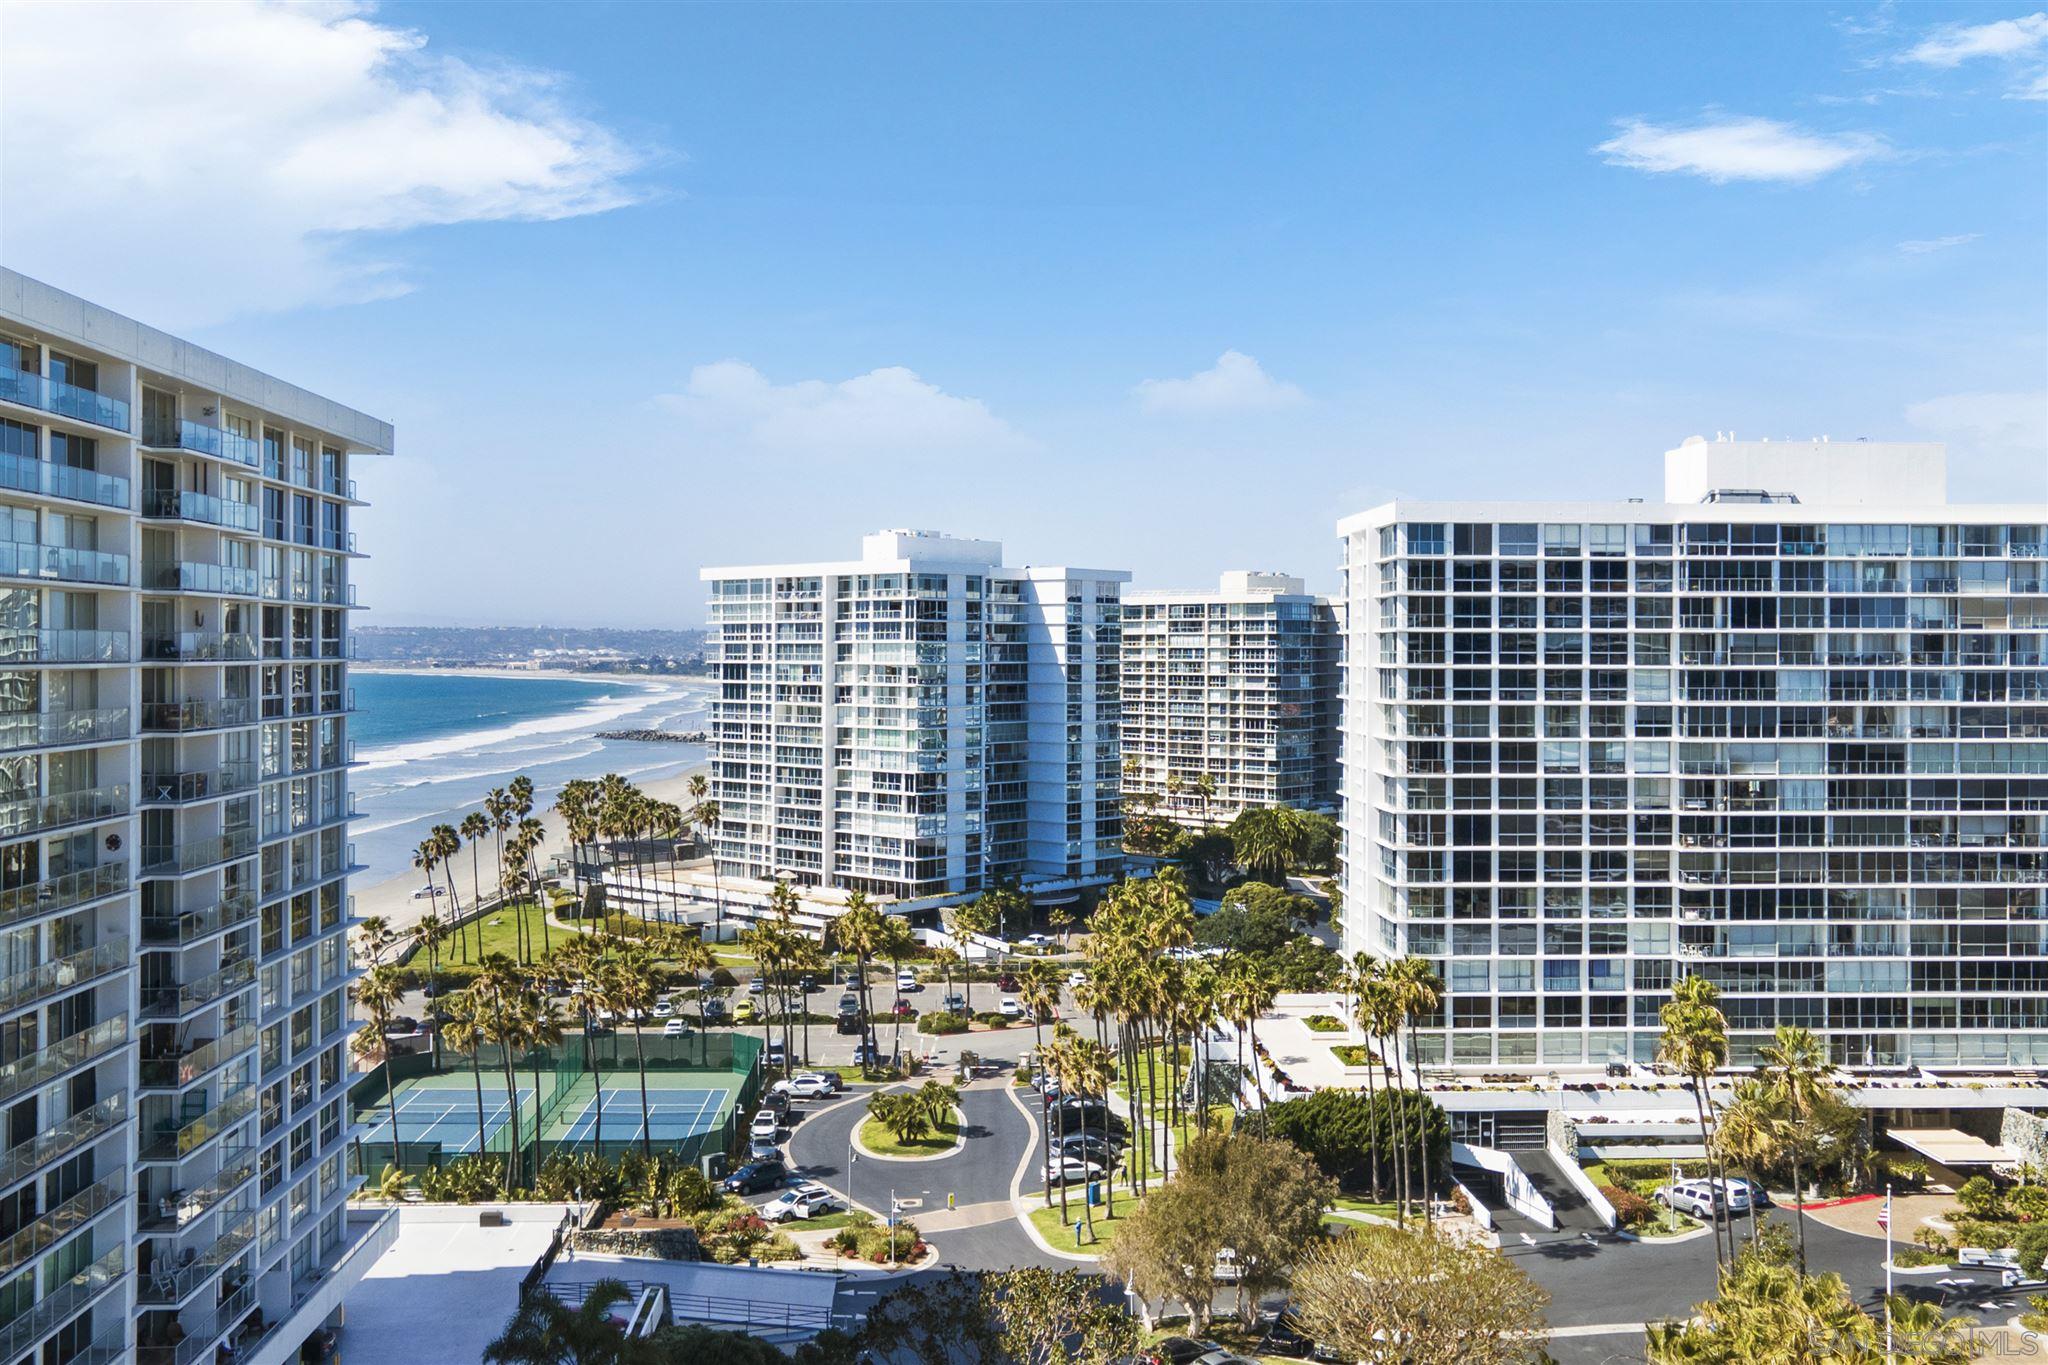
[{"x": 49, "y": 729}]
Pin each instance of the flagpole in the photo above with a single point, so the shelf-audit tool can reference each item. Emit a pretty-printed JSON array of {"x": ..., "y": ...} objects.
[{"x": 1888, "y": 1273}]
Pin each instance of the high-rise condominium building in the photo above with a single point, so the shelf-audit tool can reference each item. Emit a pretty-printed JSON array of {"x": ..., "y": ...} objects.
[
  {"x": 1237, "y": 686},
  {"x": 174, "y": 857},
  {"x": 918, "y": 724},
  {"x": 1786, "y": 729}
]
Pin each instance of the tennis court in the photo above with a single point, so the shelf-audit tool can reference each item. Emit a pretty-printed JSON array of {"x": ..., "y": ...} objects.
[
  {"x": 444, "y": 1114},
  {"x": 671, "y": 1116}
]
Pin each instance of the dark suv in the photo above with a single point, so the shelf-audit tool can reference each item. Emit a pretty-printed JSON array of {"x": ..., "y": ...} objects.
[{"x": 755, "y": 1177}]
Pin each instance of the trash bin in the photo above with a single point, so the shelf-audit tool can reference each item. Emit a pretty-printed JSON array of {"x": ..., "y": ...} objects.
[{"x": 1094, "y": 1193}]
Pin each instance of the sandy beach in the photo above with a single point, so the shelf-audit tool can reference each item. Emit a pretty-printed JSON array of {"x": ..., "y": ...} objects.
[
  {"x": 565, "y": 674},
  {"x": 393, "y": 899}
]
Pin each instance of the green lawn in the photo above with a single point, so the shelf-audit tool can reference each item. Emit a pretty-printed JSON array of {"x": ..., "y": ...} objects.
[
  {"x": 826, "y": 1222},
  {"x": 501, "y": 930},
  {"x": 1059, "y": 1232},
  {"x": 1355, "y": 1205},
  {"x": 882, "y": 1142}
]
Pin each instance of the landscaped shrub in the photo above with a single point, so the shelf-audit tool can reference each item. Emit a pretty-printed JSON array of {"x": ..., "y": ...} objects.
[
  {"x": 1642, "y": 1174},
  {"x": 466, "y": 1180},
  {"x": 870, "y": 1241},
  {"x": 1631, "y": 1210},
  {"x": 993, "y": 1020},
  {"x": 942, "y": 1021},
  {"x": 1901, "y": 1169},
  {"x": 2032, "y": 1244},
  {"x": 2028, "y": 1203},
  {"x": 1980, "y": 1197},
  {"x": 1909, "y": 1258},
  {"x": 1324, "y": 1023}
]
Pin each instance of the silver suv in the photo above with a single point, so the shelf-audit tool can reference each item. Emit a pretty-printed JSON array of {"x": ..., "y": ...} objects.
[{"x": 1696, "y": 1197}]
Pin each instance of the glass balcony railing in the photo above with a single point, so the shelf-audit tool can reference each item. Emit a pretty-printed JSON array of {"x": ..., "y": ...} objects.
[
  {"x": 27, "y": 474},
  {"x": 39, "y": 1068},
  {"x": 42, "y": 729},
  {"x": 177, "y": 717},
  {"x": 203, "y": 440},
  {"x": 180, "y": 1211},
  {"x": 82, "y": 1129},
  {"x": 18, "y": 646},
  {"x": 18, "y": 385},
  {"x": 26, "y": 559},
  {"x": 199, "y": 646},
  {"x": 169, "y": 1071},
  {"x": 162, "y": 788},
  {"x": 171, "y": 1002},
  {"x": 188, "y": 506},
  {"x": 61, "y": 893},
  {"x": 60, "y": 1302},
  {"x": 175, "y": 1285},
  {"x": 60, "y": 1222},
  {"x": 64, "y": 973},
  {"x": 171, "y": 1141},
  {"x": 193, "y": 854},
  {"x": 28, "y": 814},
  {"x": 194, "y": 577}
]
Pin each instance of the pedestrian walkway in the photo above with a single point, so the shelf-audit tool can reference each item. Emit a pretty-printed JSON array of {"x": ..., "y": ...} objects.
[{"x": 1910, "y": 1213}]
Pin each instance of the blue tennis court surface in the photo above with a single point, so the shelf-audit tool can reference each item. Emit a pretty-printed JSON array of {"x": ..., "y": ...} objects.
[
  {"x": 671, "y": 1114},
  {"x": 446, "y": 1115}
]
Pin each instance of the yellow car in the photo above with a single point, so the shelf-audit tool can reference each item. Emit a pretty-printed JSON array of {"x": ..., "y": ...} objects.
[{"x": 743, "y": 1012}]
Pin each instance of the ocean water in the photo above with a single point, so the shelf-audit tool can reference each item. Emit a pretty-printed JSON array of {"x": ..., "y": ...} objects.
[{"x": 429, "y": 745}]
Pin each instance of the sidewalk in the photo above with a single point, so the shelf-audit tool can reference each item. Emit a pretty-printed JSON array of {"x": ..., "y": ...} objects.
[{"x": 1910, "y": 1212}]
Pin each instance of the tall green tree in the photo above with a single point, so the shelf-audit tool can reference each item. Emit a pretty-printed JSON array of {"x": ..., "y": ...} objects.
[
  {"x": 1444, "y": 1301},
  {"x": 1695, "y": 1044}
]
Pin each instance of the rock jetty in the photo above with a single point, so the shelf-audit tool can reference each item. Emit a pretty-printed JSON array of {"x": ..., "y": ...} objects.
[{"x": 656, "y": 736}]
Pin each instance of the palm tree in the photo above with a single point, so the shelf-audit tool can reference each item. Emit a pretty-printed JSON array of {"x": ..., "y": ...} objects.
[
  {"x": 1795, "y": 1068},
  {"x": 898, "y": 942},
  {"x": 426, "y": 856},
  {"x": 474, "y": 827},
  {"x": 1039, "y": 990},
  {"x": 1204, "y": 788},
  {"x": 1750, "y": 1137},
  {"x": 572, "y": 803},
  {"x": 1695, "y": 1044},
  {"x": 498, "y": 811},
  {"x": 1419, "y": 995},
  {"x": 1052, "y": 1062},
  {"x": 546, "y": 1332},
  {"x": 499, "y": 986},
  {"x": 377, "y": 995},
  {"x": 705, "y": 816},
  {"x": 1090, "y": 1069},
  {"x": 963, "y": 922},
  {"x": 1379, "y": 1015},
  {"x": 428, "y": 935},
  {"x": 688, "y": 951},
  {"x": 1174, "y": 783},
  {"x": 447, "y": 843},
  {"x": 528, "y": 836},
  {"x": 860, "y": 930},
  {"x": 628, "y": 984},
  {"x": 466, "y": 1031}
]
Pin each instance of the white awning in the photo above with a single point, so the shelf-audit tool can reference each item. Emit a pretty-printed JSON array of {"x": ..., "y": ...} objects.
[{"x": 1950, "y": 1146}]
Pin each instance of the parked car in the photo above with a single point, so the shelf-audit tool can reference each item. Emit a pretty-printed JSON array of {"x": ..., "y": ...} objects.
[
  {"x": 1076, "y": 1114},
  {"x": 808, "y": 1200},
  {"x": 1007, "y": 981},
  {"x": 828, "y": 1079},
  {"x": 1181, "y": 1351},
  {"x": 1280, "y": 1337},
  {"x": 1092, "y": 1147},
  {"x": 849, "y": 1004},
  {"x": 427, "y": 893},
  {"x": 1062, "y": 1168},
  {"x": 808, "y": 984},
  {"x": 755, "y": 1177},
  {"x": 955, "y": 1002},
  {"x": 1077, "y": 979},
  {"x": 866, "y": 1055},
  {"x": 1038, "y": 941},
  {"x": 664, "y": 1008},
  {"x": 757, "y": 986},
  {"x": 778, "y": 1056},
  {"x": 809, "y": 1086},
  {"x": 1696, "y": 1197},
  {"x": 847, "y": 1023},
  {"x": 761, "y": 1149},
  {"x": 714, "y": 1007},
  {"x": 676, "y": 1028},
  {"x": 743, "y": 1012},
  {"x": 766, "y": 1124},
  {"x": 906, "y": 982},
  {"x": 903, "y": 1009},
  {"x": 1734, "y": 1194},
  {"x": 1012, "y": 1007}
]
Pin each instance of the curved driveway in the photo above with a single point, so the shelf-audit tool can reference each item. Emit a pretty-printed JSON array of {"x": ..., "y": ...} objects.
[{"x": 981, "y": 1231}]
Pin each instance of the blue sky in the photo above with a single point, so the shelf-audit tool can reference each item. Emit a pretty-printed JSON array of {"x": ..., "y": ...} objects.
[{"x": 647, "y": 287}]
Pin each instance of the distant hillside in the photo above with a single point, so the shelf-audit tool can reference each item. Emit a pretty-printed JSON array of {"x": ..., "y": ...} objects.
[{"x": 591, "y": 649}]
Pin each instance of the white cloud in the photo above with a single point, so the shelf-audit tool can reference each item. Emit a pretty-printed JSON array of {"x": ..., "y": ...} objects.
[
  {"x": 1235, "y": 383},
  {"x": 191, "y": 162},
  {"x": 1927, "y": 246},
  {"x": 1724, "y": 149},
  {"x": 889, "y": 411},
  {"x": 1959, "y": 43},
  {"x": 2036, "y": 90}
]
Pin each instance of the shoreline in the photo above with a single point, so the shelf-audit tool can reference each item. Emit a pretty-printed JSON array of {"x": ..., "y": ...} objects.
[{"x": 559, "y": 674}]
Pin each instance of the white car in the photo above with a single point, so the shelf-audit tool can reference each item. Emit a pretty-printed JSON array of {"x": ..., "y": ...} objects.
[
  {"x": 810, "y": 1086},
  {"x": 765, "y": 1125},
  {"x": 664, "y": 1008},
  {"x": 427, "y": 893},
  {"x": 808, "y": 1200},
  {"x": 1078, "y": 979},
  {"x": 1037, "y": 941},
  {"x": 906, "y": 982},
  {"x": 1012, "y": 1007},
  {"x": 1696, "y": 1197},
  {"x": 675, "y": 1028},
  {"x": 1061, "y": 1169}
]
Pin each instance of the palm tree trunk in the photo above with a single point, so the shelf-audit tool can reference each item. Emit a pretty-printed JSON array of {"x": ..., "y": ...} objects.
[
  {"x": 1422, "y": 1119},
  {"x": 512, "y": 1170},
  {"x": 434, "y": 998},
  {"x": 1799, "y": 1214},
  {"x": 1700, "y": 1110},
  {"x": 646, "y": 1112},
  {"x": 1401, "y": 1152},
  {"x": 1372, "y": 1130},
  {"x": 1062, "y": 1115},
  {"x": 476, "y": 1073},
  {"x": 391, "y": 1098}
]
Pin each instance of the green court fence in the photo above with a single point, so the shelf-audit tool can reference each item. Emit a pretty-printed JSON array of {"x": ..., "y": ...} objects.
[{"x": 556, "y": 1075}]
